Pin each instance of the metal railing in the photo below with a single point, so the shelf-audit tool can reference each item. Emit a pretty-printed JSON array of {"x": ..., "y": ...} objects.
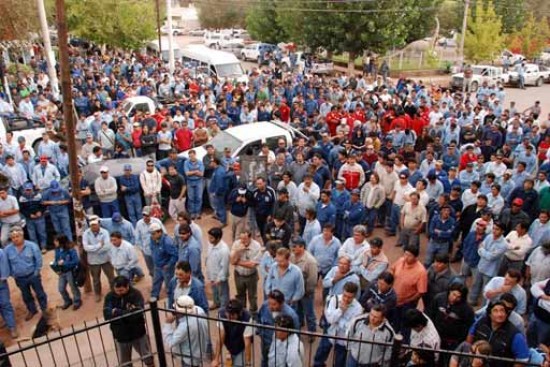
[{"x": 93, "y": 345}]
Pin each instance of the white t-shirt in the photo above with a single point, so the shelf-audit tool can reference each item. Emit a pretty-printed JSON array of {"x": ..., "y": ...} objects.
[
  {"x": 9, "y": 204},
  {"x": 400, "y": 192}
]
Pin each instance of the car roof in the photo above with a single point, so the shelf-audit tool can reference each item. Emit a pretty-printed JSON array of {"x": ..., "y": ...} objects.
[
  {"x": 485, "y": 66},
  {"x": 258, "y": 130}
]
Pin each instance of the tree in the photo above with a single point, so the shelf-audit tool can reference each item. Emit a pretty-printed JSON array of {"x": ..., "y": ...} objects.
[
  {"x": 355, "y": 26},
  {"x": 511, "y": 13},
  {"x": 261, "y": 22},
  {"x": 423, "y": 19},
  {"x": 18, "y": 20},
  {"x": 450, "y": 15},
  {"x": 484, "y": 38},
  {"x": 540, "y": 8},
  {"x": 126, "y": 24},
  {"x": 213, "y": 16},
  {"x": 532, "y": 38}
]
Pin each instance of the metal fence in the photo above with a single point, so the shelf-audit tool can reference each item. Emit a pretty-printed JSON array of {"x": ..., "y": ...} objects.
[{"x": 93, "y": 345}]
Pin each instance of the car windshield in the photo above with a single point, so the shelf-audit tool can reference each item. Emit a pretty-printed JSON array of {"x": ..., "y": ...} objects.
[
  {"x": 126, "y": 107},
  {"x": 225, "y": 140},
  {"x": 228, "y": 70},
  {"x": 480, "y": 71}
]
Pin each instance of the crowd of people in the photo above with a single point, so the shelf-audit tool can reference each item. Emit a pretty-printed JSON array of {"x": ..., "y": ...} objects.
[{"x": 460, "y": 178}]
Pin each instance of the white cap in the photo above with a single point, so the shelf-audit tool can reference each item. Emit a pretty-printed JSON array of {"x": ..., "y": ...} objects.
[
  {"x": 154, "y": 227},
  {"x": 104, "y": 169},
  {"x": 184, "y": 304}
]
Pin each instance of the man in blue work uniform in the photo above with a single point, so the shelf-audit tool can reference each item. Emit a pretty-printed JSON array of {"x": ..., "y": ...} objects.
[
  {"x": 172, "y": 160},
  {"x": 30, "y": 204},
  {"x": 326, "y": 211},
  {"x": 440, "y": 232},
  {"x": 340, "y": 197},
  {"x": 25, "y": 261},
  {"x": 57, "y": 200},
  {"x": 263, "y": 201},
  {"x": 194, "y": 173},
  {"x": 118, "y": 224},
  {"x": 189, "y": 250},
  {"x": 165, "y": 256},
  {"x": 130, "y": 189},
  {"x": 354, "y": 213},
  {"x": 217, "y": 190},
  {"x": 6, "y": 308}
]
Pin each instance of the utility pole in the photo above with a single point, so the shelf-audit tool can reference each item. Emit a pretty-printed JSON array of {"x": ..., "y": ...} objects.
[
  {"x": 68, "y": 116},
  {"x": 50, "y": 58},
  {"x": 170, "y": 38},
  {"x": 464, "y": 30},
  {"x": 157, "y": 3}
]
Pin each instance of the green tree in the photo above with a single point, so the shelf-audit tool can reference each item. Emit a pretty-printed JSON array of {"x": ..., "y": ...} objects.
[
  {"x": 423, "y": 17},
  {"x": 484, "y": 38},
  {"x": 354, "y": 26},
  {"x": 540, "y": 8},
  {"x": 213, "y": 16},
  {"x": 19, "y": 18},
  {"x": 261, "y": 22},
  {"x": 532, "y": 38},
  {"x": 450, "y": 15},
  {"x": 511, "y": 12},
  {"x": 126, "y": 24}
]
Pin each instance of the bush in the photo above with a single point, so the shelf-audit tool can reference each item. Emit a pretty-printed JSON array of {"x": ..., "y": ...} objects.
[{"x": 22, "y": 68}]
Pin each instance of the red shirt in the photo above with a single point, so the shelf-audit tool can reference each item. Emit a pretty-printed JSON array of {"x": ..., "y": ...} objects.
[
  {"x": 183, "y": 139},
  {"x": 467, "y": 158},
  {"x": 417, "y": 124},
  {"x": 333, "y": 120}
]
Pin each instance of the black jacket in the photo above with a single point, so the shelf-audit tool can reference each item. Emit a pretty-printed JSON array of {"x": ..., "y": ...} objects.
[
  {"x": 127, "y": 328},
  {"x": 451, "y": 321}
]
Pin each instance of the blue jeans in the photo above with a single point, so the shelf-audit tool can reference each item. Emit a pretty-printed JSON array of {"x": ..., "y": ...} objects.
[
  {"x": 62, "y": 223},
  {"x": 149, "y": 263},
  {"x": 194, "y": 196},
  {"x": 107, "y": 209},
  {"x": 218, "y": 202},
  {"x": 435, "y": 248},
  {"x": 64, "y": 279},
  {"x": 6, "y": 308},
  {"x": 25, "y": 284},
  {"x": 372, "y": 214},
  {"x": 133, "y": 207},
  {"x": 538, "y": 331},
  {"x": 36, "y": 229},
  {"x": 220, "y": 293},
  {"x": 392, "y": 223},
  {"x": 162, "y": 275},
  {"x": 323, "y": 351},
  {"x": 131, "y": 273},
  {"x": 306, "y": 309},
  {"x": 480, "y": 281}
]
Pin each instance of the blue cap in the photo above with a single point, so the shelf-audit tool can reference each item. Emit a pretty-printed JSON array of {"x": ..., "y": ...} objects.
[
  {"x": 127, "y": 167},
  {"x": 28, "y": 186},
  {"x": 116, "y": 217},
  {"x": 54, "y": 186},
  {"x": 356, "y": 192}
]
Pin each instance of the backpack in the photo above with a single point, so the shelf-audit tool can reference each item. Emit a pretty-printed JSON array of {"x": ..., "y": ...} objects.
[{"x": 79, "y": 275}]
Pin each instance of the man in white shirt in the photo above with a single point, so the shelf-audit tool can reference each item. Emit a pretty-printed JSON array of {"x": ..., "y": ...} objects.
[
  {"x": 519, "y": 244},
  {"x": 286, "y": 349},
  {"x": 399, "y": 197},
  {"x": 124, "y": 258},
  {"x": 217, "y": 268}
]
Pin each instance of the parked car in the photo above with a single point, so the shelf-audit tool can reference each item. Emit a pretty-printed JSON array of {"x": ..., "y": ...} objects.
[
  {"x": 253, "y": 51},
  {"x": 545, "y": 56},
  {"x": 511, "y": 58},
  {"x": 533, "y": 76},
  {"x": 197, "y": 32},
  {"x": 318, "y": 65},
  {"x": 176, "y": 31},
  {"x": 477, "y": 74},
  {"x": 248, "y": 139},
  {"x": 30, "y": 129},
  {"x": 217, "y": 40}
]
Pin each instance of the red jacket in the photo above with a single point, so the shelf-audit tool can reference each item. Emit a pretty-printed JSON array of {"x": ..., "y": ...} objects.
[
  {"x": 333, "y": 120},
  {"x": 183, "y": 139},
  {"x": 284, "y": 110},
  {"x": 466, "y": 158}
]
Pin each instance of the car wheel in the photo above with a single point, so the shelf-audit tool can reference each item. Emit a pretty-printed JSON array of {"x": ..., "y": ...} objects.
[
  {"x": 212, "y": 46},
  {"x": 539, "y": 83},
  {"x": 35, "y": 145},
  {"x": 243, "y": 56}
]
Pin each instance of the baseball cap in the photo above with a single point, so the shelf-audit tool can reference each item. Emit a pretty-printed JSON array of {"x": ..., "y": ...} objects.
[
  {"x": 297, "y": 241},
  {"x": 146, "y": 210},
  {"x": 241, "y": 191},
  {"x": 184, "y": 304},
  {"x": 127, "y": 167},
  {"x": 103, "y": 169},
  {"x": 155, "y": 227},
  {"x": 282, "y": 190},
  {"x": 43, "y": 158},
  {"x": 508, "y": 172},
  {"x": 54, "y": 186},
  {"x": 518, "y": 202},
  {"x": 28, "y": 186},
  {"x": 116, "y": 217},
  {"x": 355, "y": 192}
]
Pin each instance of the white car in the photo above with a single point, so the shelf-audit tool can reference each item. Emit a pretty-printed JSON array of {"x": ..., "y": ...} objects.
[
  {"x": 248, "y": 139},
  {"x": 218, "y": 40},
  {"x": 253, "y": 51},
  {"x": 545, "y": 56},
  {"x": 176, "y": 31},
  {"x": 511, "y": 58},
  {"x": 30, "y": 129},
  {"x": 477, "y": 74},
  {"x": 533, "y": 76}
]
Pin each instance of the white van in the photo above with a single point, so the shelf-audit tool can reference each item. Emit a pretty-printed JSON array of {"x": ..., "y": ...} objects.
[
  {"x": 223, "y": 65},
  {"x": 154, "y": 45}
]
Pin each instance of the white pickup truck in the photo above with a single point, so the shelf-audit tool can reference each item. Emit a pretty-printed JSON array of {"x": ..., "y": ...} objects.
[
  {"x": 534, "y": 75},
  {"x": 475, "y": 75},
  {"x": 317, "y": 66}
]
